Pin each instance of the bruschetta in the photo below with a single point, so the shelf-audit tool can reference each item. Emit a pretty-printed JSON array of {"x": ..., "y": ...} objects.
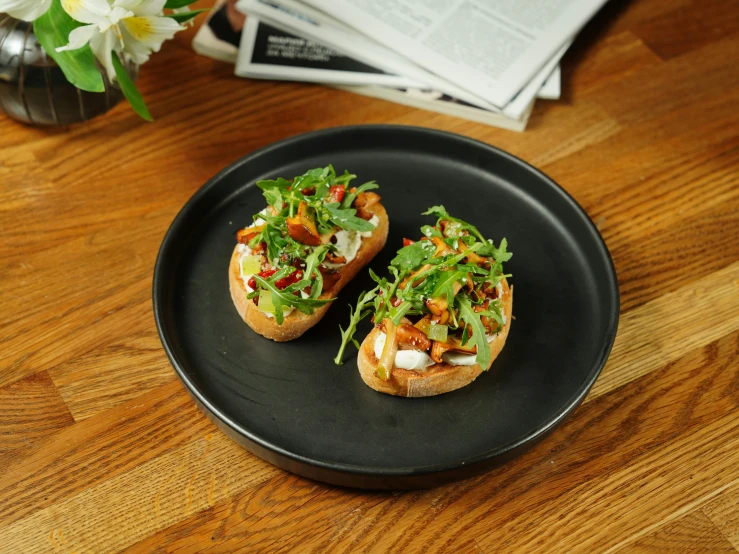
[
  {"x": 313, "y": 237},
  {"x": 441, "y": 318}
]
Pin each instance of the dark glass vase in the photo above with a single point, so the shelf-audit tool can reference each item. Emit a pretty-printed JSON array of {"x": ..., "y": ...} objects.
[{"x": 34, "y": 90}]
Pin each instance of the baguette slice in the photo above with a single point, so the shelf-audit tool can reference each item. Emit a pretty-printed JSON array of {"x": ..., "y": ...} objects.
[
  {"x": 297, "y": 322},
  {"x": 435, "y": 379}
]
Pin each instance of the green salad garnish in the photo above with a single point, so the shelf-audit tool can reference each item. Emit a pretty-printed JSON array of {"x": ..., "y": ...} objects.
[
  {"x": 290, "y": 241},
  {"x": 446, "y": 285}
]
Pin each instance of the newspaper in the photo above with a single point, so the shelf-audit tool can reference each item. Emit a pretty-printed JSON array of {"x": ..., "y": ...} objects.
[
  {"x": 307, "y": 22},
  {"x": 270, "y": 53},
  {"x": 491, "y": 49},
  {"x": 302, "y": 20}
]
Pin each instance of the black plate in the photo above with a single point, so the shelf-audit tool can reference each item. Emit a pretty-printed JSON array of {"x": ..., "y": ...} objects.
[{"x": 289, "y": 404}]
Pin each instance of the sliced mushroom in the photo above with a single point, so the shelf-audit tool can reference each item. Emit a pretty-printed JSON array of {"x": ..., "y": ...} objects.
[
  {"x": 437, "y": 349},
  {"x": 334, "y": 259},
  {"x": 366, "y": 199},
  {"x": 244, "y": 236},
  {"x": 302, "y": 228},
  {"x": 330, "y": 277},
  {"x": 412, "y": 277},
  {"x": 472, "y": 257},
  {"x": 442, "y": 248},
  {"x": 437, "y": 306},
  {"x": 411, "y": 337},
  {"x": 387, "y": 359}
]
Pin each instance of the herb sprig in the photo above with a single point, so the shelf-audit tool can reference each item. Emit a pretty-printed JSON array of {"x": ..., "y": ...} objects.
[
  {"x": 452, "y": 265},
  {"x": 326, "y": 203}
]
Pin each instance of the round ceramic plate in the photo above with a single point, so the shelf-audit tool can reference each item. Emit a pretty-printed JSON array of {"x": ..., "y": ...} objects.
[{"x": 289, "y": 404}]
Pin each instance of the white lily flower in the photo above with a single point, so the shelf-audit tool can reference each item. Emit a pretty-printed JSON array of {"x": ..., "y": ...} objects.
[
  {"x": 27, "y": 10},
  {"x": 135, "y": 28}
]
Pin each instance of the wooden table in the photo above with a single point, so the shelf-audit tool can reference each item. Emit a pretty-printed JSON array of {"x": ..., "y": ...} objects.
[{"x": 102, "y": 450}]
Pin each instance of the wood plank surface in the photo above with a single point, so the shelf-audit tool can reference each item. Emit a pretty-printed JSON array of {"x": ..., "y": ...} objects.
[{"x": 102, "y": 449}]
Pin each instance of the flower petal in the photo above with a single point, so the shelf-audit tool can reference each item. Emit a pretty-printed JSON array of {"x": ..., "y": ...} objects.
[
  {"x": 102, "y": 45},
  {"x": 79, "y": 37},
  {"x": 27, "y": 10},
  {"x": 142, "y": 7},
  {"x": 135, "y": 50},
  {"x": 88, "y": 11},
  {"x": 150, "y": 30}
]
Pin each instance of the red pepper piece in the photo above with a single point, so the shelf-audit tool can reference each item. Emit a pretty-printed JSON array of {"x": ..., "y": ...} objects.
[{"x": 336, "y": 193}]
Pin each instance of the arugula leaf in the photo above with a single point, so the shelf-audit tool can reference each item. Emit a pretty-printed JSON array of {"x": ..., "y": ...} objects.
[
  {"x": 346, "y": 218},
  {"x": 430, "y": 231},
  {"x": 413, "y": 255},
  {"x": 444, "y": 215},
  {"x": 357, "y": 315},
  {"x": 280, "y": 183},
  {"x": 399, "y": 312},
  {"x": 286, "y": 296},
  {"x": 443, "y": 287},
  {"x": 312, "y": 262},
  {"x": 499, "y": 254},
  {"x": 349, "y": 198},
  {"x": 345, "y": 179},
  {"x": 478, "y": 338},
  {"x": 273, "y": 197},
  {"x": 437, "y": 210}
]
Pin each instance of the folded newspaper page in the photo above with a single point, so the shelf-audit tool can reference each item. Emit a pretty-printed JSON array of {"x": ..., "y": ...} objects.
[
  {"x": 305, "y": 21},
  {"x": 491, "y": 49},
  {"x": 270, "y": 53}
]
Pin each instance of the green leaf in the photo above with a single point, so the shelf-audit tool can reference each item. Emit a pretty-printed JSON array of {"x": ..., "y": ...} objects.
[
  {"x": 175, "y": 4},
  {"x": 442, "y": 214},
  {"x": 129, "y": 90},
  {"x": 357, "y": 315},
  {"x": 273, "y": 197},
  {"x": 499, "y": 254},
  {"x": 437, "y": 210},
  {"x": 287, "y": 297},
  {"x": 479, "y": 337},
  {"x": 346, "y": 218},
  {"x": 52, "y": 30},
  {"x": 312, "y": 262},
  {"x": 444, "y": 285},
  {"x": 187, "y": 16},
  {"x": 349, "y": 198},
  {"x": 282, "y": 184},
  {"x": 414, "y": 255}
]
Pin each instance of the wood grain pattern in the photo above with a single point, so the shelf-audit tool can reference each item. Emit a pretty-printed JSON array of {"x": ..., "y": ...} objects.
[
  {"x": 29, "y": 410},
  {"x": 102, "y": 450},
  {"x": 692, "y": 533}
]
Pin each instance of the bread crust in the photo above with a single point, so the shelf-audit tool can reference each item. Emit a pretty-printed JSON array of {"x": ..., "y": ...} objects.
[
  {"x": 297, "y": 322},
  {"x": 436, "y": 379}
]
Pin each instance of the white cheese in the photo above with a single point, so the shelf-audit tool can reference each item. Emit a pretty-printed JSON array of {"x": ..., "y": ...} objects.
[
  {"x": 404, "y": 359},
  {"x": 374, "y": 221},
  {"x": 348, "y": 243},
  {"x": 259, "y": 221}
]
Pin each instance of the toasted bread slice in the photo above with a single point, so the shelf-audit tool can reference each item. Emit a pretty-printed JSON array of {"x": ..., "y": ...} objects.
[
  {"x": 297, "y": 323},
  {"x": 438, "y": 378}
]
